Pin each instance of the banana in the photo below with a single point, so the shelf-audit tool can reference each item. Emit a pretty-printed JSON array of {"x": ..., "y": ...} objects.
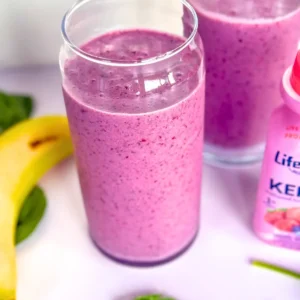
[{"x": 27, "y": 151}]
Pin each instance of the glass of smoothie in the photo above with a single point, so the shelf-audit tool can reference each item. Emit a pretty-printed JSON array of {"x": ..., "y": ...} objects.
[
  {"x": 248, "y": 45},
  {"x": 133, "y": 85}
]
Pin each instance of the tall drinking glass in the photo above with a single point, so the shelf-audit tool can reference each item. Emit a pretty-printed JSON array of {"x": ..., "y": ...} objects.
[
  {"x": 248, "y": 46},
  {"x": 133, "y": 86}
]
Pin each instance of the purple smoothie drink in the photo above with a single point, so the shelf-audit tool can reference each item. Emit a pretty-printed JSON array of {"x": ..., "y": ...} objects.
[
  {"x": 248, "y": 46},
  {"x": 137, "y": 129}
]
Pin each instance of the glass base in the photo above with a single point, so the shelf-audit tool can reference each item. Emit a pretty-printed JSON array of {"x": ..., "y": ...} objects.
[
  {"x": 151, "y": 263},
  {"x": 221, "y": 157}
]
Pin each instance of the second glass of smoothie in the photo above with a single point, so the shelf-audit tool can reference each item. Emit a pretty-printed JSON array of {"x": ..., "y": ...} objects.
[
  {"x": 248, "y": 45},
  {"x": 133, "y": 85}
]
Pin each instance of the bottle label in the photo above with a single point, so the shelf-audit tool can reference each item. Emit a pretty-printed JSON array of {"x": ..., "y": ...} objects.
[{"x": 277, "y": 217}]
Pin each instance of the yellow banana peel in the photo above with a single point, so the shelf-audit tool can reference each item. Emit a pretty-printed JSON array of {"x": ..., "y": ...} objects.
[{"x": 27, "y": 151}]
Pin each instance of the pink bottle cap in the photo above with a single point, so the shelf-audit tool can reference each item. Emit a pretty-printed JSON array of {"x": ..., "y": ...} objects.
[
  {"x": 290, "y": 87},
  {"x": 295, "y": 78}
]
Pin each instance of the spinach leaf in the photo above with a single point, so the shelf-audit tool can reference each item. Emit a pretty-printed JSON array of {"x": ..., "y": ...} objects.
[
  {"x": 153, "y": 297},
  {"x": 14, "y": 108},
  {"x": 31, "y": 214},
  {"x": 26, "y": 102}
]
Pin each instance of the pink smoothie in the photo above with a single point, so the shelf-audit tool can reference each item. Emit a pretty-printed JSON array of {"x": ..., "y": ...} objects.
[
  {"x": 138, "y": 142},
  {"x": 248, "y": 47}
]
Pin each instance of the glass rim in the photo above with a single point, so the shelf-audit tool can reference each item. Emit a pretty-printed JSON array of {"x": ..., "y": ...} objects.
[
  {"x": 116, "y": 63},
  {"x": 247, "y": 21}
]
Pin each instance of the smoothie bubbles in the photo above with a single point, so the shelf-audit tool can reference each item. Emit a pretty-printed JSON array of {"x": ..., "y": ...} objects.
[
  {"x": 134, "y": 94},
  {"x": 277, "y": 217},
  {"x": 248, "y": 46}
]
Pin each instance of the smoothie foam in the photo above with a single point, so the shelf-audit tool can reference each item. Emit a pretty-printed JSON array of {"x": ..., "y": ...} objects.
[{"x": 138, "y": 143}]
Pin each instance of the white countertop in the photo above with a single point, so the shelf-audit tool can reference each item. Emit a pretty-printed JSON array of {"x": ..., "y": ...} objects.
[{"x": 59, "y": 262}]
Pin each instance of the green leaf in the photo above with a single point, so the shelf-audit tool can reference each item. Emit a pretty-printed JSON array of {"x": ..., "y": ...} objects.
[
  {"x": 275, "y": 269},
  {"x": 14, "y": 109},
  {"x": 149, "y": 297},
  {"x": 153, "y": 297},
  {"x": 31, "y": 214},
  {"x": 26, "y": 102}
]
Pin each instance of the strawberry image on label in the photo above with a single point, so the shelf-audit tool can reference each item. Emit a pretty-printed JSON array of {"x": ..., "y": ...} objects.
[
  {"x": 294, "y": 214},
  {"x": 273, "y": 216},
  {"x": 286, "y": 225}
]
